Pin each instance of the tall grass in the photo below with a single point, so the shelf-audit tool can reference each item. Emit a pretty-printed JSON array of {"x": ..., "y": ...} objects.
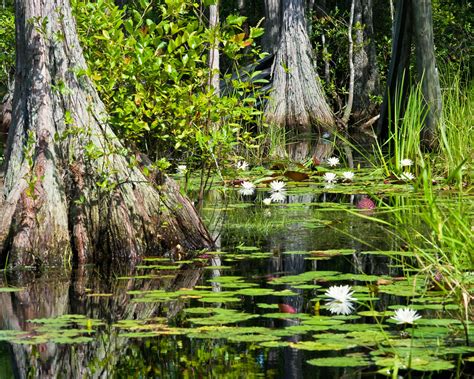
[
  {"x": 437, "y": 225},
  {"x": 456, "y": 131},
  {"x": 438, "y": 229},
  {"x": 405, "y": 122},
  {"x": 454, "y": 155}
]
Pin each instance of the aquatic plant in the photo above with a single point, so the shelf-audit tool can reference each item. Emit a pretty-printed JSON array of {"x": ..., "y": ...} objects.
[
  {"x": 407, "y": 176},
  {"x": 405, "y": 316},
  {"x": 330, "y": 177},
  {"x": 247, "y": 188},
  {"x": 341, "y": 299},
  {"x": 267, "y": 201},
  {"x": 333, "y": 161},
  {"x": 277, "y": 186},
  {"x": 242, "y": 165},
  {"x": 406, "y": 162},
  {"x": 340, "y": 293},
  {"x": 348, "y": 175},
  {"x": 278, "y": 197},
  {"x": 456, "y": 129}
]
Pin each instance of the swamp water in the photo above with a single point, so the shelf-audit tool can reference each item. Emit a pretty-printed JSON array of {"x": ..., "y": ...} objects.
[{"x": 255, "y": 308}]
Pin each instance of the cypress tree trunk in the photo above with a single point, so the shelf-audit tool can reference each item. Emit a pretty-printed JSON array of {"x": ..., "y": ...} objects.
[
  {"x": 5, "y": 116},
  {"x": 366, "y": 80},
  {"x": 398, "y": 79},
  {"x": 413, "y": 18},
  {"x": 297, "y": 101},
  {"x": 273, "y": 15},
  {"x": 70, "y": 186},
  {"x": 426, "y": 68}
]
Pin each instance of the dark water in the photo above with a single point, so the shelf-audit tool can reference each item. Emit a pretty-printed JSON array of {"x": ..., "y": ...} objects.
[{"x": 305, "y": 223}]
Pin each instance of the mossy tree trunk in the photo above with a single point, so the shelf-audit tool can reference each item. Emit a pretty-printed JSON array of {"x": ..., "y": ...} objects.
[
  {"x": 71, "y": 188},
  {"x": 298, "y": 105}
]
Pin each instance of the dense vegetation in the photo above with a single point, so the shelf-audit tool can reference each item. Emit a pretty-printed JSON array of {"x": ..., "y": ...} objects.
[
  {"x": 152, "y": 65},
  {"x": 149, "y": 61}
]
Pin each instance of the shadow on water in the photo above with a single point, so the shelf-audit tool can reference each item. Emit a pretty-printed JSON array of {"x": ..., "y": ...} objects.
[{"x": 212, "y": 316}]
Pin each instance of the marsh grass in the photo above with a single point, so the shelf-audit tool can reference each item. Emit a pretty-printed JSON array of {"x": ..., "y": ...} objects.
[
  {"x": 405, "y": 127},
  {"x": 438, "y": 229},
  {"x": 452, "y": 159},
  {"x": 435, "y": 225},
  {"x": 456, "y": 131}
]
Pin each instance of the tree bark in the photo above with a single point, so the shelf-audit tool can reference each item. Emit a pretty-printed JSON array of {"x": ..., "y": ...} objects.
[
  {"x": 5, "y": 116},
  {"x": 366, "y": 79},
  {"x": 426, "y": 68},
  {"x": 398, "y": 79},
  {"x": 297, "y": 101},
  {"x": 350, "y": 97},
  {"x": 70, "y": 186},
  {"x": 413, "y": 18},
  {"x": 273, "y": 19}
]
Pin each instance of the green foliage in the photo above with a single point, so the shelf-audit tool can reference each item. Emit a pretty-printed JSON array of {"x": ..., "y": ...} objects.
[
  {"x": 7, "y": 47},
  {"x": 453, "y": 25},
  {"x": 149, "y": 63},
  {"x": 456, "y": 129},
  {"x": 334, "y": 50}
]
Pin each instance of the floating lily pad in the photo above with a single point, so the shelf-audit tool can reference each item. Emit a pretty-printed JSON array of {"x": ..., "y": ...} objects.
[
  {"x": 307, "y": 286},
  {"x": 304, "y": 277},
  {"x": 267, "y": 306},
  {"x": 301, "y": 316},
  {"x": 426, "y": 363},
  {"x": 247, "y": 248},
  {"x": 201, "y": 311},
  {"x": 12, "y": 335},
  {"x": 322, "y": 345},
  {"x": 274, "y": 344},
  {"x": 358, "y": 277},
  {"x": 223, "y": 316},
  {"x": 346, "y": 361},
  {"x": 252, "y": 338},
  {"x": 219, "y": 299},
  {"x": 322, "y": 320},
  {"x": 256, "y": 291}
]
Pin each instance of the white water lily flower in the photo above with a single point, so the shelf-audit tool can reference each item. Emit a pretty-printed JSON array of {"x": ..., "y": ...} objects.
[
  {"x": 267, "y": 201},
  {"x": 348, "y": 175},
  {"x": 340, "y": 293},
  {"x": 277, "y": 186},
  {"x": 181, "y": 169},
  {"x": 406, "y": 162},
  {"x": 341, "y": 299},
  {"x": 333, "y": 161},
  {"x": 340, "y": 308},
  {"x": 242, "y": 165},
  {"x": 405, "y": 316},
  {"x": 407, "y": 176},
  {"x": 278, "y": 197},
  {"x": 247, "y": 188},
  {"x": 330, "y": 177}
]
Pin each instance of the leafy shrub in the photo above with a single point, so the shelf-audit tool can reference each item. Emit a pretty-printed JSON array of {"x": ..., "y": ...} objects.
[
  {"x": 149, "y": 63},
  {"x": 7, "y": 47}
]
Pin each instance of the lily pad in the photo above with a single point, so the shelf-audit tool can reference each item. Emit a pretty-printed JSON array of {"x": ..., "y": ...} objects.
[{"x": 346, "y": 361}]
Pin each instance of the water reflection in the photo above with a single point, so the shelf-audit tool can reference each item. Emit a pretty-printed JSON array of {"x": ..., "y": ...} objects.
[
  {"x": 86, "y": 292},
  {"x": 306, "y": 222}
]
